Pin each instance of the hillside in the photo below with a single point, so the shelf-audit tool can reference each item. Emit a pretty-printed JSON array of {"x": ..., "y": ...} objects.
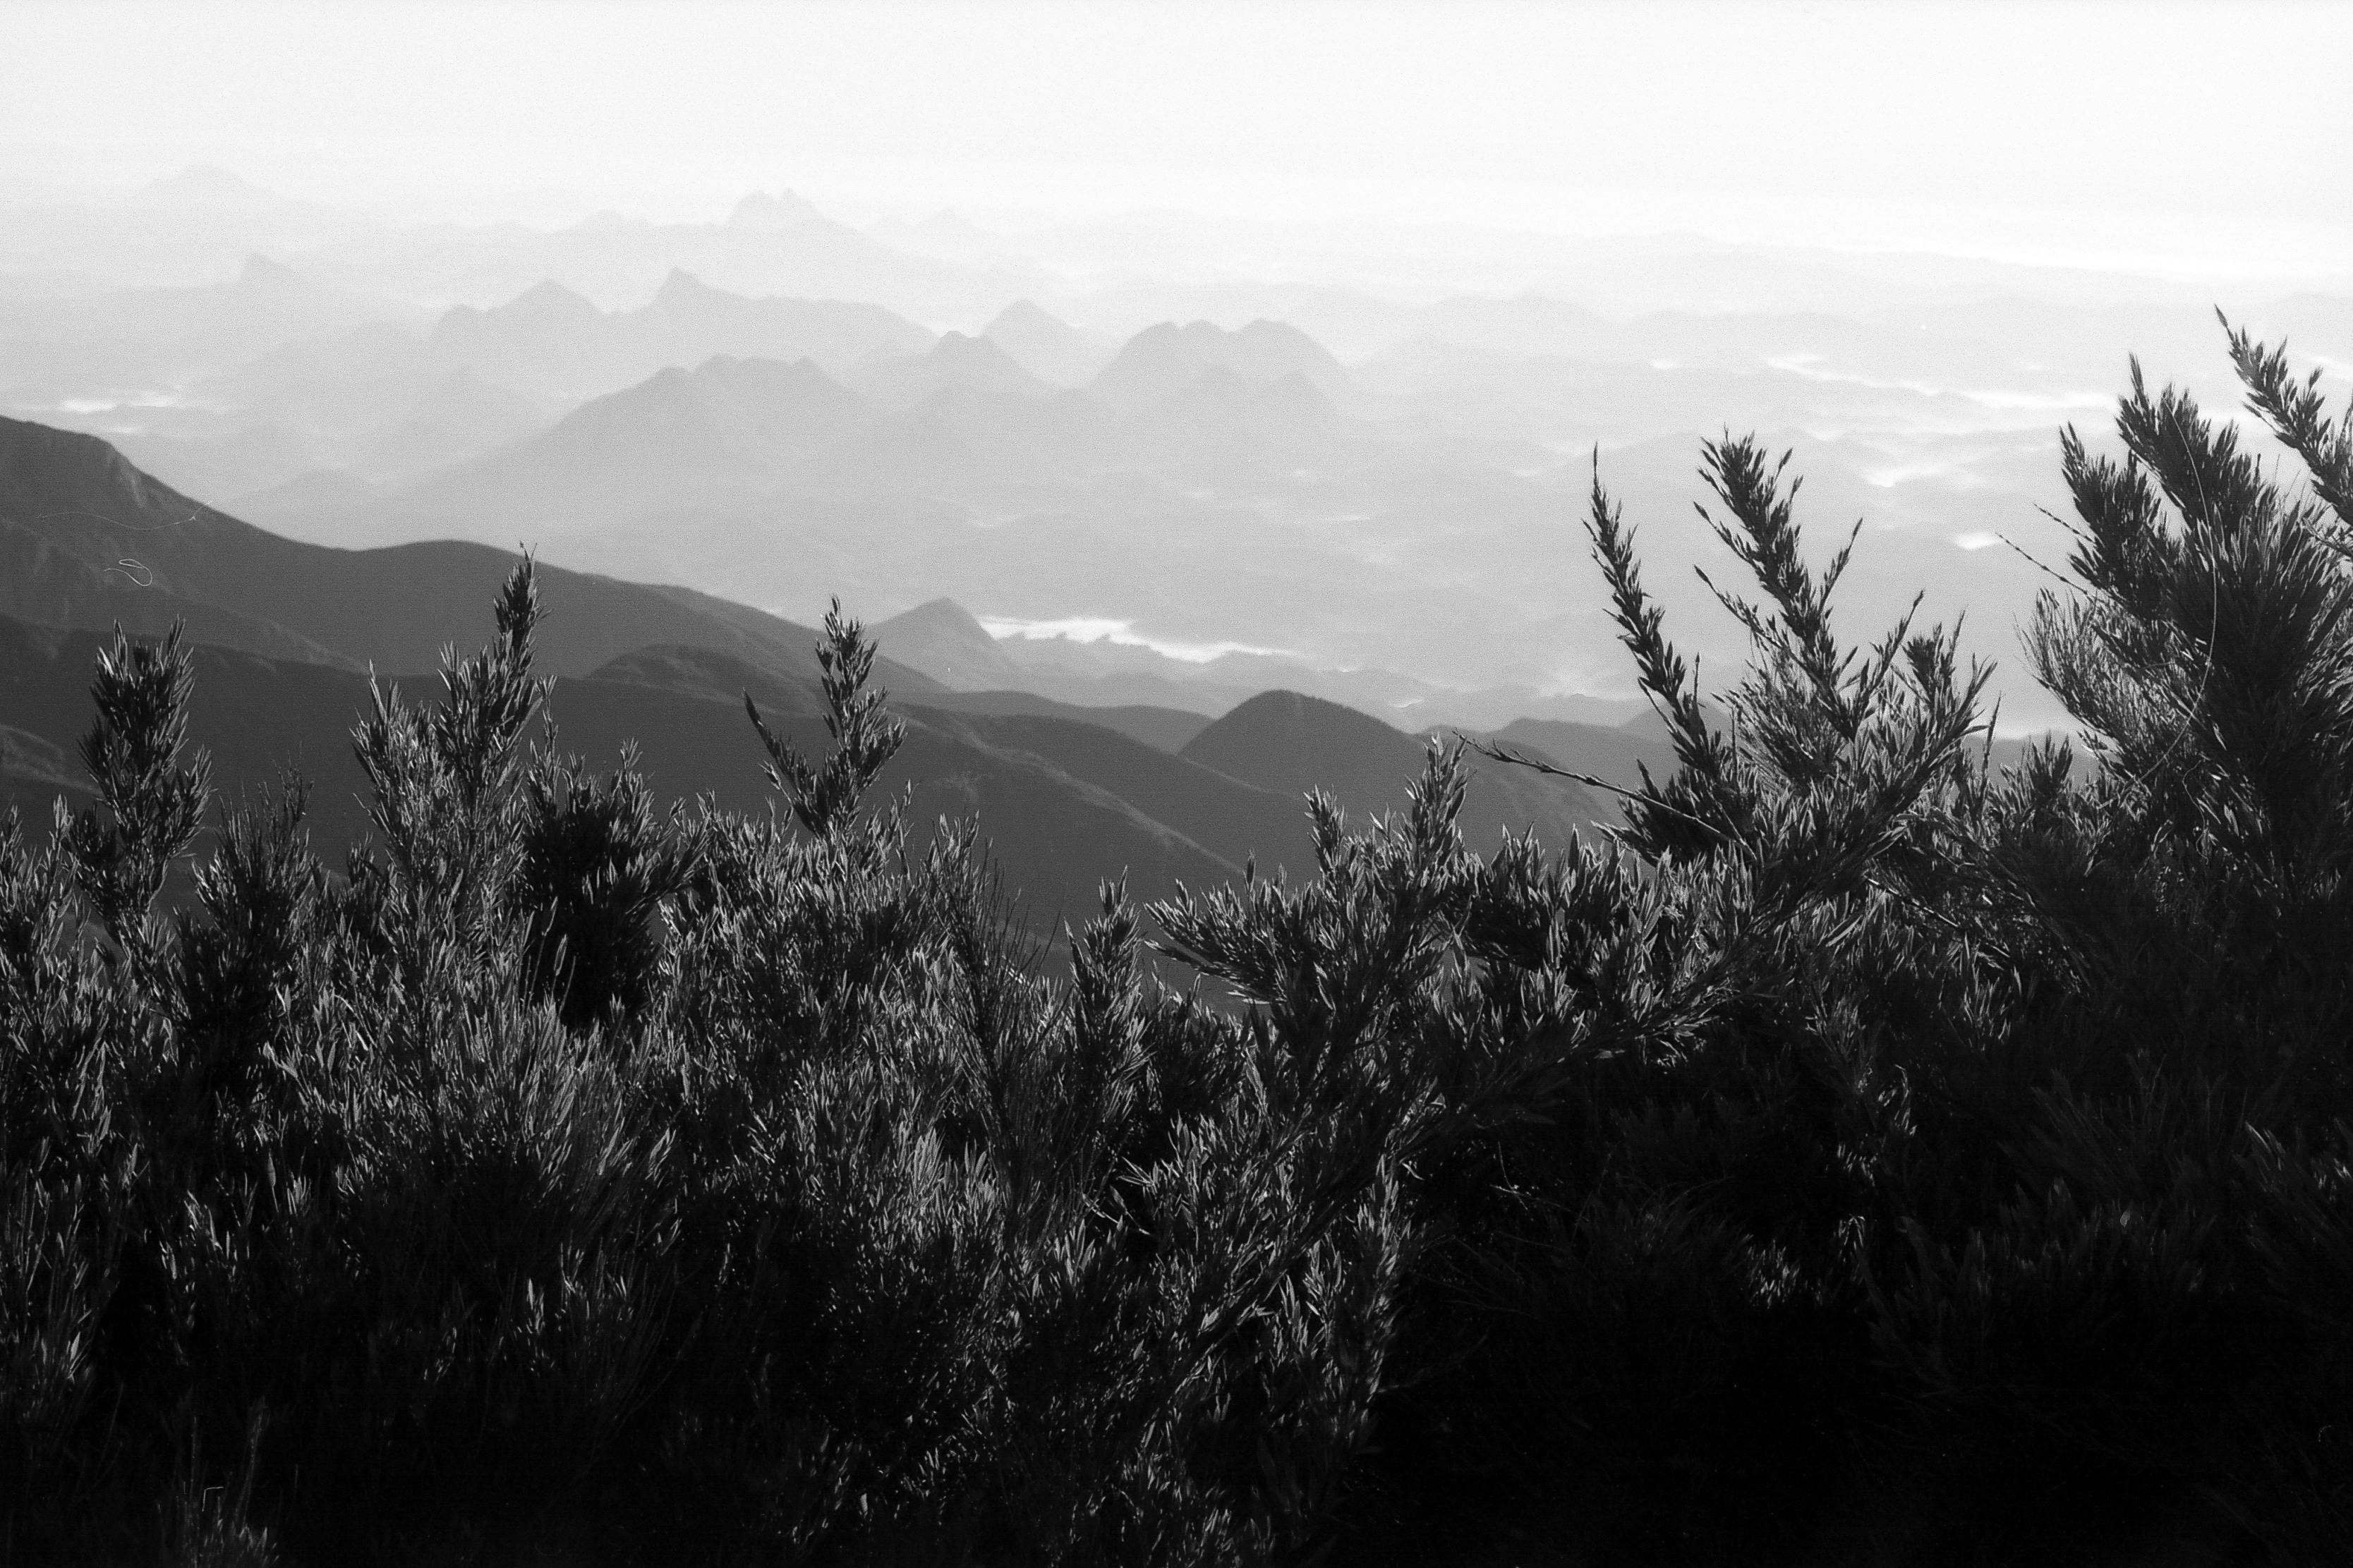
[
  {"x": 1056, "y": 832},
  {"x": 1163, "y": 361},
  {"x": 941, "y": 638},
  {"x": 87, "y": 540},
  {"x": 1289, "y": 743},
  {"x": 1045, "y": 345},
  {"x": 1167, "y": 729},
  {"x": 1228, "y": 818},
  {"x": 1068, "y": 795}
]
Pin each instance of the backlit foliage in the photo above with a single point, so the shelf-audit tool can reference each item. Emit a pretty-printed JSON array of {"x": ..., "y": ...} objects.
[{"x": 1861, "y": 1156}]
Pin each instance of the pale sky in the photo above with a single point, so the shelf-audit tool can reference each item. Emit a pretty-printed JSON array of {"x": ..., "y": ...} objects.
[{"x": 2213, "y": 134}]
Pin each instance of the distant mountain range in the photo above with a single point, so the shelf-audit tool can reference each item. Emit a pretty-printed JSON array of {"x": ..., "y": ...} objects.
[
  {"x": 1130, "y": 423},
  {"x": 1168, "y": 478},
  {"x": 944, "y": 641},
  {"x": 88, "y": 540},
  {"x": 1047, "y": 347},
  {"x": 1066, "y": 794}
]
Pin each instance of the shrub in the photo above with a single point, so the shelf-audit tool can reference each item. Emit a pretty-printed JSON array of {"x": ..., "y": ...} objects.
[{"x": 1856, "y": 1156}]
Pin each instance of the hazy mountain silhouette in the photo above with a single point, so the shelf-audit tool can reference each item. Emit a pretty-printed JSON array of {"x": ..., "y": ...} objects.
[
  {"x": 457, "y": 417},
  {"x": 764, "y": 214},
  {"x": 974, "y": 364},
  {"x": 314, "y": 492},
  {"x": 1047, "y": 346},
  {"x": 158, "y": 338},
  {"x": 942, "y": 639},
  {"x": 783, "y": 248},
  {"x": 1289, "y": 743},
  {"x": 212, "y": 188},
  {"x": 547, "y": 338},
  {"x": 1227, "y": 817},
  {"x": 1056, "y": 835},
  {"x": 1616, "y": 753},
  {"x": 556, "y": 348},
  {"x": 1167, "y": 360},
  {"x": 1067, "y": 797},
  {"x": 1219, "y": 422},
  {"x": 688, "y": 321},
  {"x": 73, "y": 512},
  {"x": 1057, "y": 798},
  {"x": 712, "y": 436},
  {"x": 552, "y": 339},
  {"x": 1164, "y": 729}
]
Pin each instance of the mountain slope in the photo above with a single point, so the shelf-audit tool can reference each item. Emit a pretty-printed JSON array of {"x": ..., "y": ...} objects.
[
  {"x": 1285, "y": 743},
  {"x": 1229, "y": 819},
  {"x": 709, "y": 435},
  {"x": 941, "y": 638},
  {"x": 1163, "y": 361},
  {"x": 1046, "y": 346},
  {"x": 73, "y": 512},
  {"x": 1056, "y": 832},
  {"x": 1164, "y": 729},
  {"x": 974, "y": 364},
  {"x": 1615, "y": 752}
]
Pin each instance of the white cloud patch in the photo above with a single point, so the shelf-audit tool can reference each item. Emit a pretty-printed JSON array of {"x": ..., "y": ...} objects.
[{"x": 1103, "y": 628}]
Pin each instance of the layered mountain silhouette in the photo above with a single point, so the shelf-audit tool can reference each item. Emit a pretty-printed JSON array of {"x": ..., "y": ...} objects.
[
  {"x": 1047, "y": 346},
  {"x": 714, "y": 435},
  {"x": 285, "y": 630},
  {"x": 1289, "y": 743},
  {"x": 553, "y": 346},
  {"x": 975, "y": 364},
  {"x": 956, "y": 428},
  {"x": 943, "y": 639},
  {"x": 88, "y": 540},
  {"x": 1056, "y": 834},
  {"x": 155, "y": 338},
  {"x": 1162, "y": 729},
  {"x": 1166, "y": 362},
  {"x": 763, "y": 214}
]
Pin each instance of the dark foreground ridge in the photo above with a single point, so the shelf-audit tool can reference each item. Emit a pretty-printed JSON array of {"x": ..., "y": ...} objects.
[{"x": 1867, "y": 1159}]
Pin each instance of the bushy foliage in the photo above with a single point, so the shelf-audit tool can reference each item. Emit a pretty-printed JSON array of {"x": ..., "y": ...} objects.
[{"x": 1860, "y": 1156}]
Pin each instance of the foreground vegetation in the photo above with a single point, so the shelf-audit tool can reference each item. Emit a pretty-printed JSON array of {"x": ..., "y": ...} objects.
[{"x": 1863, "y": 1159}]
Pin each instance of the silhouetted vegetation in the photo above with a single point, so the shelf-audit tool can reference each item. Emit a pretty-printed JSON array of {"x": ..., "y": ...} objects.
[{"x": 1864, "y": 1159}]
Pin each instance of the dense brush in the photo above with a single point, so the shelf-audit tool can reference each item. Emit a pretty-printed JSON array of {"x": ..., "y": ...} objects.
[{"x": 1855, "y": 1158}]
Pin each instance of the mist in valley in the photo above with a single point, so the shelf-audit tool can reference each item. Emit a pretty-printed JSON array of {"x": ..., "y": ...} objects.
[
  {"x": 1163, "y": 454},
  {"x": 1101, "y": 784}
]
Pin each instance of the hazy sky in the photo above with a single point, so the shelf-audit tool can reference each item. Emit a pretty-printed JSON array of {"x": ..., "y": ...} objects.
[{"x": 2212, "y": 134}]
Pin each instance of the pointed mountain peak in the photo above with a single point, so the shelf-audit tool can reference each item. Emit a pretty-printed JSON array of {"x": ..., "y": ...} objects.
[
  {"x": 1283, "y": 337},
  {"x": 942, "y": 613},
  {"x": 1027, "y": 319},
  {"x": 766, "y": 214},
  {"x": 261, "y": 272},
  {"x": 681, "y": 288},
  {"x": 548, "y": 300},
  {"x": 957, "y": 348},
  {"x": 207, "y": 185},
  {"x": 752, "y": 371},
  {"x": 942, "y": 639}
]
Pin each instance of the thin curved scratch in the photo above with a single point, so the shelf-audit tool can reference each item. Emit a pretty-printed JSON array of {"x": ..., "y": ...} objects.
[
  {"x": 119, "y": 523},
  {"x": 141, "y": 575}
]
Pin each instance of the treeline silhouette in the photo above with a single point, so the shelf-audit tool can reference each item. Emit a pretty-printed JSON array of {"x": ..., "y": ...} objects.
[{"x": 1861, "y": 1158}]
